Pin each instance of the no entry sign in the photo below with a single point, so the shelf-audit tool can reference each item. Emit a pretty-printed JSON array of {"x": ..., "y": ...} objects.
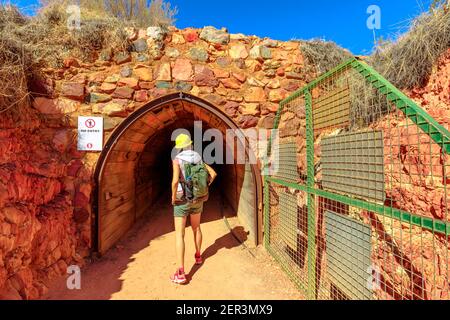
[{"x": 90, "y": 133}]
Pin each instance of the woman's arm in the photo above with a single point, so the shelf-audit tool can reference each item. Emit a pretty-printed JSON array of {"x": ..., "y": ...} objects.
[
  {"x": 175, "y": 180},
  {"x": 212, "y": 174}
]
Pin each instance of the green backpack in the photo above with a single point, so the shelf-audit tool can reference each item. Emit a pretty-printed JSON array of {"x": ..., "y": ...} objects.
[{"x": 196, "y": 182}]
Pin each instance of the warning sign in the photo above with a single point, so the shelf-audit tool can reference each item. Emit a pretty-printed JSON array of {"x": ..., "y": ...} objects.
[{"x": 90, "y": 133}]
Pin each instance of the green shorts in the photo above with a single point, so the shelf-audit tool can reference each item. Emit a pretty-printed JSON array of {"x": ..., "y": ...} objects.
[{"x": 187, "y": 209}]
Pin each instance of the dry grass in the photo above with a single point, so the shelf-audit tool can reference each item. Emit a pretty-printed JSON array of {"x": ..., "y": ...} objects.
[
  {"x": 140, "y": 13},
  {"x": 15, "y": 61},
  {"x": 408, "y": 62},
  {"x": 323, "y": 56}
]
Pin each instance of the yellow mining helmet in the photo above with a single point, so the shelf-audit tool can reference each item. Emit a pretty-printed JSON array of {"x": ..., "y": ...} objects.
[{"x": 182, "y": 141}]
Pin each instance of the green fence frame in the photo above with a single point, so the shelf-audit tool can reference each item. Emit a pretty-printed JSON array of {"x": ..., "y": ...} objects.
[{"x": 422, "y": 119}]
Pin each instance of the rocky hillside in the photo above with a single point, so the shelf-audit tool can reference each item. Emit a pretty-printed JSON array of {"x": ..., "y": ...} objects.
[{"x": 435, "y": 96}]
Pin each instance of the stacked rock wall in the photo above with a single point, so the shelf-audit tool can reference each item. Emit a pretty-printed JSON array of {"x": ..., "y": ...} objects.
[{"x": 46, "y": 184}]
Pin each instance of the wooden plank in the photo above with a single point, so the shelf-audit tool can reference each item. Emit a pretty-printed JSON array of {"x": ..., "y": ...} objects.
[
  {"x": 118, "y": 167},
  {"x": 126, "y": 145},
  {"x": 111, "y": 238},
  {"x": 113, "y": 201},
  {"x": 152, "y": 121},
  {"x": 215, "y": 122},
  {"x": 142, "y": 211},
  {"x": 116, "y": 179},
  {"x": 123, "y": 156},
  {"x": 116, "y": 217},
  {"x": 180, "y": 111},
  {"x": 165, "y": 115},
  {"x": 144, "y": 128},
  {"x": 247, "y": 200},
  {"x": 115, "y": 190},
  {"x": 135, "y": 136},
  {"x": 188, "y": 107},
  {"x": 172, "y": 112}
]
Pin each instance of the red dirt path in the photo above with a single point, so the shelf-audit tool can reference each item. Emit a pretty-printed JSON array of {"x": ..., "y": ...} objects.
[{"x": 140, "y": 265}]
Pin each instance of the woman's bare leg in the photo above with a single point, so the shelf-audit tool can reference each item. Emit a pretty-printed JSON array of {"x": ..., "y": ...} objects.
[
  {"x": 198, "y": 237},
  {"x": 180, "y": 225}
]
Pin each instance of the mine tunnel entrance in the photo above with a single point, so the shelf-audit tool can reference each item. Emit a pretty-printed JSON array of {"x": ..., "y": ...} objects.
[{"x": 134, "y": 170}]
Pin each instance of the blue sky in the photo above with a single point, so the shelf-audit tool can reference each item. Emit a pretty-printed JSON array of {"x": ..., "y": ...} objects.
[{"x": 342, "y": 21}]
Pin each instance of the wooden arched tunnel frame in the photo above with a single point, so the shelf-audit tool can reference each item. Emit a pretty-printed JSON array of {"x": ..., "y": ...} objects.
[{"x": 155, "y": 105}]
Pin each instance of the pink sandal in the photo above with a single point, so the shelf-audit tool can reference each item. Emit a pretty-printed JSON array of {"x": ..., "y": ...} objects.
[
  {"x": 179, "y": 277},
  {"x": 198, "y": 259}
]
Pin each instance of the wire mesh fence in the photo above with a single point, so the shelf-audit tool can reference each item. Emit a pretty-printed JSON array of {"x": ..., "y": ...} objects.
[{"x": 358, "y": 209}]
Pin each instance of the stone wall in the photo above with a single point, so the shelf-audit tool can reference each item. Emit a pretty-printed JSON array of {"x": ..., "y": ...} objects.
[{"x": 46, "y": 184}]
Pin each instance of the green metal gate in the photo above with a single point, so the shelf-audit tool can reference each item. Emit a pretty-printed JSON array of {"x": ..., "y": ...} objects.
[{"x": 358, "y": 208}]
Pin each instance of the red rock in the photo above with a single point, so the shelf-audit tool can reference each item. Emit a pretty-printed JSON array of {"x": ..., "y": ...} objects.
[
  {"x": 252, "y": 109},
  {"x": 224, "y": 61},
  {"x": 295, "y": 75},
  {"x": 255, "y": 94},
  {"x": 267, "y": 122},
  {"x": 269, "y": 108},
  {"x": 146, "y": 85},
  {"x": 231, "y": 108},
  {"x": 45, "y": 105},
  {"x": 255, "y": 82},
  {"x": 238, "y": 51},
  {"x": 164, "y": 72},
  {"x": 22, "y": 280},
  {"x": 274, "y": 84},
  {"x": 205, "y": 77},
  {"x": 220, "y": 73},
  {"x": 122, "y": 57},
  {"x": 73, "y": 167},
  {"x": 231, "y": 83},
  {"x": 253, "y": 65},
  {"x": 62, "y": 139},
  {"x": 277, "y": 95},
  {"x": 144, "y": 73},
  {"x": 129, "y": 82},
  {"x": 52, "y": 168},
  {"x": 219, "y": 47},
  {"x": 290, "y": 86},
  {"x": 178, "y": 39},
  {"x": 81, "y": 215},
  {"x": 123, "y": 93},
  {"x": 115, "y": 109},
  {"x": 82, "y": 78},
  {"x": 8, "y": 292},
  {"x": 235, "y": 96},
  {"x": 215, "y": 99},
  {"x": 190, "y": 35},
  {"x": 240, "y": 76},
  {"x": 108, "y": 88},
  {"x": 182, "y": 70},
  {"x": 55, "y": 106},
  {"x": 73, "y": 90},
  {"x": 158, "y": 92},
  {"x": 298, "y": 59},
  {"x": 281, "y": 72},
  {"x": 141, "y": 96},
  {"x": 71, "y": 62},
  {"x": 13, "y": 215},
  {"x": 80, "y": 200},
  {"x": 247, "y": 121}
]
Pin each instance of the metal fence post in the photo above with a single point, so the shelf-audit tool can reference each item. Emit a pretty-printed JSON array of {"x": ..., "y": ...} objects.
[
  {"x": 311, "y": 198},
  {"x": 266, "y": 213}
]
